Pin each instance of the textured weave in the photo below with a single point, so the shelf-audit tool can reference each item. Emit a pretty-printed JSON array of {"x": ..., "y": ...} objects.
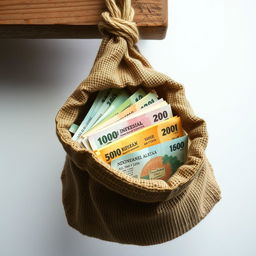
[{"x": 108, "y": 204}]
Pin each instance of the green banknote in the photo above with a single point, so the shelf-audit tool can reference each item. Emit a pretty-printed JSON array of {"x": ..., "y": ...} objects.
[
  {"x": 73, "y": 128},
  {"x": 99, "y": 100},
  {"x": 110, "y": 101},
  {"x": 122, "y": 97},
  {"x": 138, "y": 95}
]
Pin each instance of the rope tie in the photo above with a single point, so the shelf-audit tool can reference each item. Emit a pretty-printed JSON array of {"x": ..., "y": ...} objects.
[{"x": 118, "y": 21}]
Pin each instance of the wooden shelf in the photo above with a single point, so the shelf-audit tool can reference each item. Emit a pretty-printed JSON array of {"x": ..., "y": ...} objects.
[{"x": 74, "y": 18}]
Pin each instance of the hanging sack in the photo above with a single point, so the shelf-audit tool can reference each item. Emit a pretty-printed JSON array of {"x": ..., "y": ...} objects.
[{"x": 108, "y": 204}]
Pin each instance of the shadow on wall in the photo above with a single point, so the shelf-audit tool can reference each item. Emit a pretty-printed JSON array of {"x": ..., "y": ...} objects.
[{"x": 33, "y": 62}]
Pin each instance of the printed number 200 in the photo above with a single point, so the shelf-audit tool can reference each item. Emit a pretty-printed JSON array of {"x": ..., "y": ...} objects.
[{"x": 159, "y": 116}]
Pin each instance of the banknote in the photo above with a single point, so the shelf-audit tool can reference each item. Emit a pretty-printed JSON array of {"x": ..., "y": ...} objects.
[
  {"x": 146, "y": 137},
  {"x": 73, "y": 128},
  {"x": 99, "y": 100},
  {"x": 84, "y": 137},
  {"x": 135, "y": 97},
  {"x": 114, "y": 93},
  {"x": 121, "y": 97},
  {"x": 156, "y": 162},
  {"x": 128, "y": 125},
  {"x": 147, "y": 101}
]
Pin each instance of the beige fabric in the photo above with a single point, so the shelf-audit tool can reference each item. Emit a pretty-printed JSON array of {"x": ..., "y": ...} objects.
[{"x": 108, "y": 204}]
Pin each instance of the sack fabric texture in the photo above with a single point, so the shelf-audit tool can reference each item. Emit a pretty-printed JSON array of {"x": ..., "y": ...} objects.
[{"x": 105, "y": 203}]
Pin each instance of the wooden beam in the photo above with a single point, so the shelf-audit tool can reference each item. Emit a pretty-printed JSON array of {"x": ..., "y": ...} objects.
[{"x": 74, "y": 18}]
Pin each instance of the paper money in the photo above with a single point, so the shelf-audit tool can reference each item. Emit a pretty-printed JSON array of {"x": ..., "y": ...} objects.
[
  {"x": 100, "y": 99},
  {"x": 156, "y": 162},
  {"x": 138, "y": 95},
  {"x": 73, "y": 128},
  {"x": 128, "y": 125},
  {"x": 147, "y": 137},
  {"x": 84, "y": 137},
  {"x": 148, "y": 100},
  {"x": 121, "y": 97},
  {"x": 114, "y": 93}
]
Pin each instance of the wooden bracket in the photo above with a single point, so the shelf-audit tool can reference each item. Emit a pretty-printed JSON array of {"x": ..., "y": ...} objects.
[{"x": 74, "y": 18}]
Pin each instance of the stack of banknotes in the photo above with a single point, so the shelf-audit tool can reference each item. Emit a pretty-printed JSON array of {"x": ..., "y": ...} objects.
[{"x": 136, "y": 134}]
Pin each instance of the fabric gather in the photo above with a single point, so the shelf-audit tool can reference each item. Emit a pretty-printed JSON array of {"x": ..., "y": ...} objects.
[{"x": 118, "y": 21}]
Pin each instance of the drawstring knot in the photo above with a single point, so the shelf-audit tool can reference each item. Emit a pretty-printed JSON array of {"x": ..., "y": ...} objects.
[{"x": 118, "y": 21}]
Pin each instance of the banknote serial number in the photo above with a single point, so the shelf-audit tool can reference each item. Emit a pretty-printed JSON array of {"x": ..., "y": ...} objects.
[{"x": 169, "y": 129}]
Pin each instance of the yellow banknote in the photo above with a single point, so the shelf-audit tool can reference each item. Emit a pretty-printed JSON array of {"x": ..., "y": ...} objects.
[
  {"x": 91, "y": 133},
  {"x": 147, "y": 137}
]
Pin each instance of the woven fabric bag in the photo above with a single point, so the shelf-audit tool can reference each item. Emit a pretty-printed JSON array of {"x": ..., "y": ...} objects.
[{"x": 105, "y": 203}]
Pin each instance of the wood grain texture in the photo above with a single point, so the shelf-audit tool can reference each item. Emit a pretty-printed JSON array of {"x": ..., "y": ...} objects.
[{"x": 74, "y": 18}]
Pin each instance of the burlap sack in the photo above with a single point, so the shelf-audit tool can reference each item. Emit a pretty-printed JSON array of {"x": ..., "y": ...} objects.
[{"x": 108, "y": 204}]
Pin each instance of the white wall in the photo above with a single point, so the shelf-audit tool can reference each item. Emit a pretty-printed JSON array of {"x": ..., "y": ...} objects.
[{"x": 210, "y": 48}]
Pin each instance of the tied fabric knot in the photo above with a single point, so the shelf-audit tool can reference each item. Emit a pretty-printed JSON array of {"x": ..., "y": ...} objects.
[{"x": 118, "y": 21}]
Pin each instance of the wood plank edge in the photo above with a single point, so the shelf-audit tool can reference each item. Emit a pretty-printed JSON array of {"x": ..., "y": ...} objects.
[{"x": 71, "y": 31}]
